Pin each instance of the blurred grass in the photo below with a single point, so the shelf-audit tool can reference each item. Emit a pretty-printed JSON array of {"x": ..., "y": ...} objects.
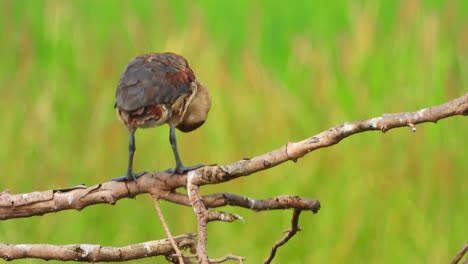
[{"x": 277, "y": 73}]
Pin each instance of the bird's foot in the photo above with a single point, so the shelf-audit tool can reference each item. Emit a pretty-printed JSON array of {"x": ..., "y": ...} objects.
[
  {"x": 183, "y": 169},
  {"x": 130, "y": 176}
]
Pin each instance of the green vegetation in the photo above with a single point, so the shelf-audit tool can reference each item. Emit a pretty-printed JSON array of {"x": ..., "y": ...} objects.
[{"x": 278, "y": 72}]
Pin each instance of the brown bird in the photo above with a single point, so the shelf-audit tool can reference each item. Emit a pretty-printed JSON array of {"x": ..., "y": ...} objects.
[{"x": 159, "y": 88}]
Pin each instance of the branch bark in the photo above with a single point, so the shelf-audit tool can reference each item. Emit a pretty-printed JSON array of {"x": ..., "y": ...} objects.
[
  {"x": 460, "y": 255},
  {"x": 179, "y": 256},
  {"x": 39, "y": 203},
  {"x": 96, "y": 253},
  {"x": 289, "y": 234},
  {"x": 295, "y": 150}
]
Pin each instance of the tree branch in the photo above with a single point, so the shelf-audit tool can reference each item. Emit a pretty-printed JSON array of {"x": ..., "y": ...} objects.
[
  {"x": 274, "y": 203},
  {"x": 294, "y": 151},
  {"x": 79, "y": 197},
  {"x": 180, "y": 258},
  {"x": 460, "y": 255},
  {"x": 96, "y": 253},
  {"x": 203, "y": 217},
  {"x": 289, "y": 234},
  {"x": 240, "y": 260}
]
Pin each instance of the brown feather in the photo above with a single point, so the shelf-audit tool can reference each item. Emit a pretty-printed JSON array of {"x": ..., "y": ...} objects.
[{"x": 157, "y": 88}]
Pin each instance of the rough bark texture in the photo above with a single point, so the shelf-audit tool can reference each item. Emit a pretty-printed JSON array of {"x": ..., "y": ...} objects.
[{"x": 95, "y": 253}]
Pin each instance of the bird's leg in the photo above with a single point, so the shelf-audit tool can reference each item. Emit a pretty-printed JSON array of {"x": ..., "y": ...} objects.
[
  {"x": 131, "y": 151},
  {"x": 173, "y": 140},
  {"x": 180, "y": 168}
]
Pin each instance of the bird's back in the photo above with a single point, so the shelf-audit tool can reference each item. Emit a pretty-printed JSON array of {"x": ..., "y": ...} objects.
[{"x": 153, "y": 79}]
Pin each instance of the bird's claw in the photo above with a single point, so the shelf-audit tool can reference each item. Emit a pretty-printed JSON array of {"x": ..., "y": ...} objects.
[
  {"x": 130, "y": 177},
  {"x": 183, "y": 169}
]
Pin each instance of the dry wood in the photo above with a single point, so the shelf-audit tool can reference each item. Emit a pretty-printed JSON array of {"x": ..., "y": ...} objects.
[{"x": 95, "y": 253}]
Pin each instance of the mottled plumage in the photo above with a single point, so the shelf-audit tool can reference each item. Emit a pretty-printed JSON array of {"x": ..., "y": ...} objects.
[{"x": 159, "y": 88}]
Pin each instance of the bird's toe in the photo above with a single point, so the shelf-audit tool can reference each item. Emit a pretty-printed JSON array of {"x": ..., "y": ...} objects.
[
  {"x": 183, "y": 169},
  {"x": 129, "y": 177}
]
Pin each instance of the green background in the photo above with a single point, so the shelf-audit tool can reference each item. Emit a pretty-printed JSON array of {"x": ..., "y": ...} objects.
[{"x": 277, "y": 72}]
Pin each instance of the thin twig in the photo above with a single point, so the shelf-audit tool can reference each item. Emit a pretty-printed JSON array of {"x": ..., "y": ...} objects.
[
  {"x": 166, "y": 228},
  {"x": 460, "y": 255},
  {"x": 289, "y": 234},
  {"x": 226, "y": 258}
]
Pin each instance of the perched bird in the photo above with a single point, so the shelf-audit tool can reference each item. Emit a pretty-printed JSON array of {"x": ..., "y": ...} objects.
[{"x": 160, "y": 88}]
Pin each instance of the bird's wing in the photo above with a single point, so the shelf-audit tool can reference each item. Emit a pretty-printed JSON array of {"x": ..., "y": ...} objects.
[{"x": 153, "y": 79}]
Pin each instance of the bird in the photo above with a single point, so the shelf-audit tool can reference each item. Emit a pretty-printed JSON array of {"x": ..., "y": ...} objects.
[{"x": 157, "y": 89}]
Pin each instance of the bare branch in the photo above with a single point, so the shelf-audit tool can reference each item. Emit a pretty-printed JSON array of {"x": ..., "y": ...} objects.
[
  {"x": 274, "y": 203},
  {"x": 240, "y": 260},
  {"x": 79, "y": 197},
  {"x": 460, "y": 255},
  {"x": 38, "y": 203},
  {"x": 203, "y": 217},
  {"x": 289, "y": 234},
  {"x": 96, "y": 253},
  {"x": 294, "y": 151},
  {"x": 199, "y": 210},
  {"x": 166, "y": 229}
]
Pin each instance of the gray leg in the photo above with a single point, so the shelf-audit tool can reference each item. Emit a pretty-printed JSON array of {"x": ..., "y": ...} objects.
[
  {"x": 131, "y": 151},
  {"x": 180, "y": 168}
]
